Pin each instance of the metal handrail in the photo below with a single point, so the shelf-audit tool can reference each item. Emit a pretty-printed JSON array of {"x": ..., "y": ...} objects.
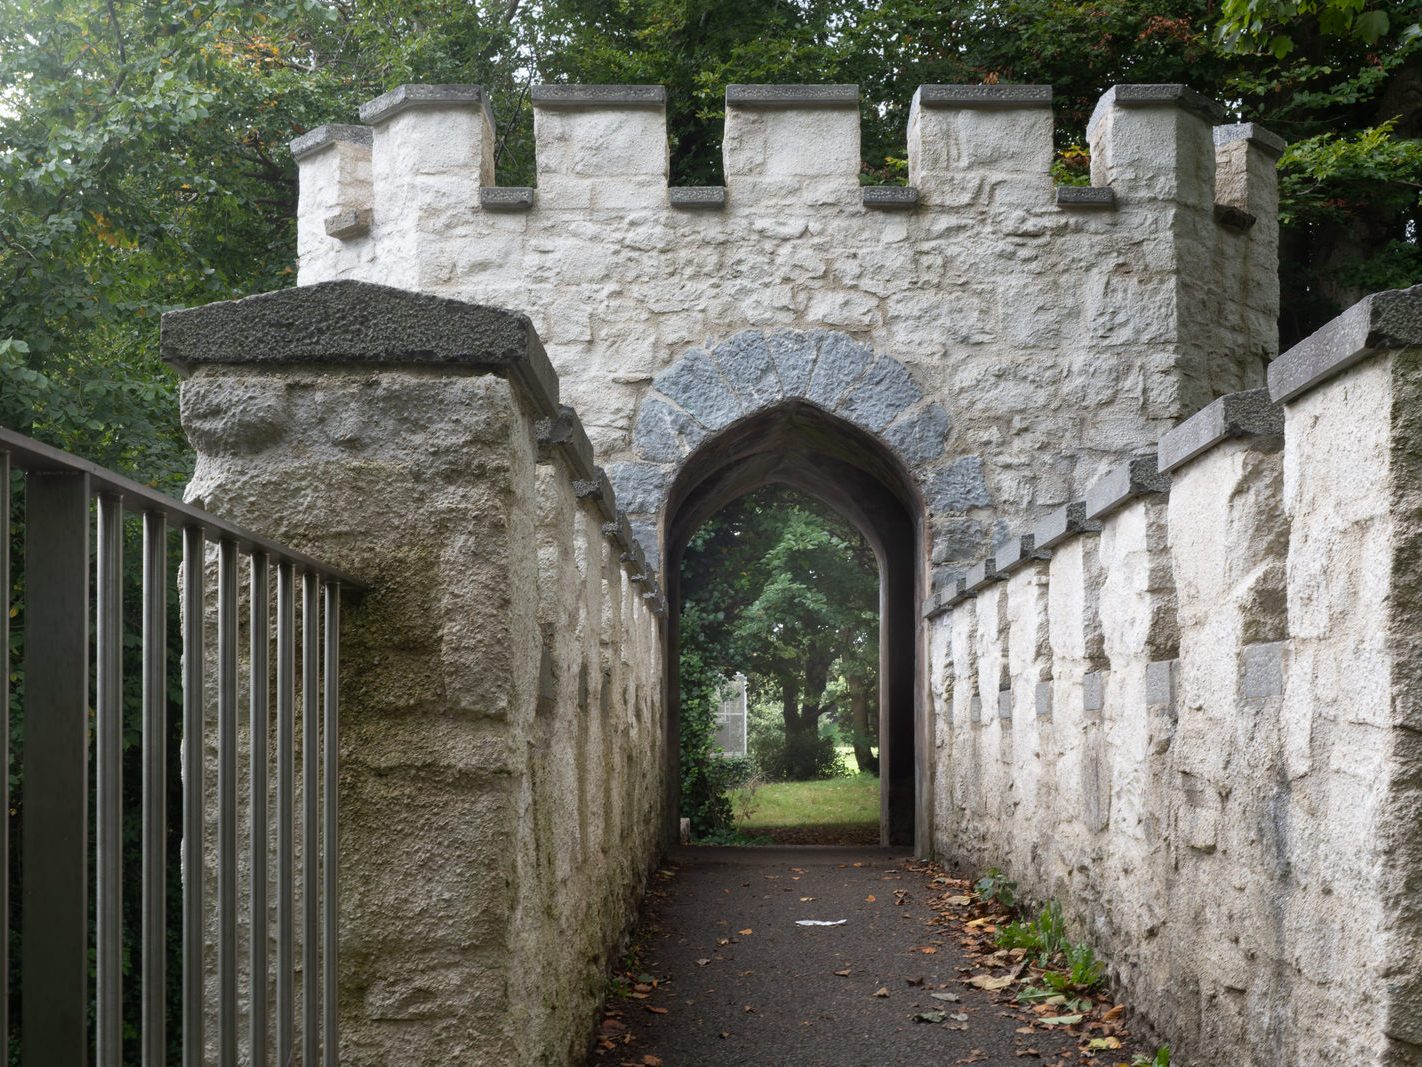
[
  {"x": 59, "y": 491},
  {"x": 39, "y": 458}
]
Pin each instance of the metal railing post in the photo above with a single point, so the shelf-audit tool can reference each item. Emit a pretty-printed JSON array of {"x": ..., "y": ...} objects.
[{"x": 56, "y": 821}]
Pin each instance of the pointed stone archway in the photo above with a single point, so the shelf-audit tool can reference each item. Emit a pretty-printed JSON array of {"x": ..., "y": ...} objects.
[{"x": 820, "y": 412}]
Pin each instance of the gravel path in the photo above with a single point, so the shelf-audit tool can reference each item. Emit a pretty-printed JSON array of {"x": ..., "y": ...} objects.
[{"x": 728, "y": 978}]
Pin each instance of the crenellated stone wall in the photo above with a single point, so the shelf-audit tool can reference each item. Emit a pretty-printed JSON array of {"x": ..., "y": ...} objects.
[
  {"x": 1031, "y": 334},
  {"x": 503, "y": 728},
  {"x": 1183, "y": 707}
]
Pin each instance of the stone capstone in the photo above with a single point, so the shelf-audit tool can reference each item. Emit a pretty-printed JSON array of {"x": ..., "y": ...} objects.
[
  {"x": 359, "y": 322},
  {"x": 329, "y": 134},
  {"x": 1392, "y": 319},
  {"x": 792, "y": 96},
  {"x": 598, "y": 96},
  {"x": 998, "y": 95},
  {"x": 1127, "y": 480},
  {"x": 1246, "y": 414},
  {"x": 405, "y": 97}
]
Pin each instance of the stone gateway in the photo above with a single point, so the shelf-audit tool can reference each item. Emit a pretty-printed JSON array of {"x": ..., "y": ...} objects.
[{"x": 1148, "y": 639}]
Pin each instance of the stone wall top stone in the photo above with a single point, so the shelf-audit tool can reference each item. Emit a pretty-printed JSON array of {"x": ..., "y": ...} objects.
[
  {"x": 1165, "y": 95},
  {"x": 984, "y": 96},
  {"x": 1066, "y": 521},
  {"x": 1134, "y": 477},
  {"x": 360, "y": 322},
  {"x": 1266, "y": 141},
  {"x": 1391, "y": 319},
  {"x": 404, "y": 97},
  {"x": 792, "y": 96},
  {"x": 1246, "y": 414},
  {"x": 572, "y": 96},
  {"x": 329, "y": 134}
]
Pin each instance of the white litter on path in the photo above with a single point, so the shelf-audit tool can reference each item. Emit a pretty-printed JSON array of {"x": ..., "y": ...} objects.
[{"x": 820, "y": 922}]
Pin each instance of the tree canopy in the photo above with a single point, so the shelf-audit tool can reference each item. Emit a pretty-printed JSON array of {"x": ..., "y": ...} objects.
[{"x": 143, "y": 158}]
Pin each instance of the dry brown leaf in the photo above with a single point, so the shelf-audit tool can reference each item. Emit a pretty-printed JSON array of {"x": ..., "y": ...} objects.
[
  {"x": 882, "y": 991},
  {"x": 654, "y": 1009},
  {"x": 746, "y": 932}
]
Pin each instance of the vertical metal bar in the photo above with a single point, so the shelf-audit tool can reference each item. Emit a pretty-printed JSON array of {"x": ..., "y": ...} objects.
[
  {"x": 286, "y": 814},
  {"x": 330, "y": 842},
  {"x": 56, "y": 884},
  {"x": 154, "y": 1029},
  {"x": 5, "y": 757},
  {"x": 257, "y": 729},
  {"x": 108, "y": 807},
  {"x": 310, "y": 817},
  {"x": 227, "y": 804},
  {"x": 192, "y": 794}
]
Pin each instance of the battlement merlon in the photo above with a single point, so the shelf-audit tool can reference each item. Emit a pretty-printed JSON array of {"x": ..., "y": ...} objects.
[{"x": 979, "y": 150}]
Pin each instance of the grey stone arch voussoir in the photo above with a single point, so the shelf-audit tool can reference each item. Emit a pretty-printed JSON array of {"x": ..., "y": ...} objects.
[{"x": 821, "y": 412}]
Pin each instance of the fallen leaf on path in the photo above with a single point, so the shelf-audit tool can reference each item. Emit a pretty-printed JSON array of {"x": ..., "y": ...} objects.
[
  {"x": 702, "y": 962},
  {"x": 654, "y": 1009},
  {"x": 844, "y": 973},
  {"x": 882, "y": 991},
  {"x": 988, "y": 982},
  {"x": 959, "y": 902},
  {"x": 915, "y": 980},
  {"x": 1098, "y": 1043},
  {"x": 929, "y": 1017},
  {"x": 951, "y": 998},
  {"x": 1114, "y": 1014},
  {"x": 870, "y": 899},
  {"x": 1061, "y": 1020},
  {"x": 746, "y": 932}
]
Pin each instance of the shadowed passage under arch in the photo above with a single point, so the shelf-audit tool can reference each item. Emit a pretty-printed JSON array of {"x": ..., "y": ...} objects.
[{"x": 798, "y": 444}]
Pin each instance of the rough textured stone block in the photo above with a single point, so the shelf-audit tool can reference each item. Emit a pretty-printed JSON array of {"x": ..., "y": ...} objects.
[
  {"x": 331, "y": 133},
  {"x": 1135, "y": 477},
  {"x": 980, "y": 575},
  {"x": 697, "y": 387},
  {"x": 890, "y": 196},
  {"x": 1016, "y": 552},
  {"x": 1042, "y": 698},
  {"x": 640, "y": 487},
  {"x": 345, "y": 225},
  {"x": 1066, "y": 521},
  {"x": 1093, "y": 691},
  {"x": 841, "y": 361},
  {"x": 1247, "y": 414},
  {"x": 564, "y": 432},
  {"x": 1162, "y": 679},
  {"x": 506, "y": 197},
  {"x": 1085, "y": 196},
  {"x": 1384, "y": 320},
  {"x": 665, "y": 434},
  {"x": 921, "y": 436},
  {"x": 697, "y": 196},
  {"x": 599, "y": 490},
  {"x": 985, "y": 95},
  {"x": 884, "y": 391},
  {"x": 1262, "y": 671},
  {"x": 959, "y": 487}
]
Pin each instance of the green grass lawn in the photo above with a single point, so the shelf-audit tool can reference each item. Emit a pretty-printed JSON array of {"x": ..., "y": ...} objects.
[{"x": 835, "y": 802}]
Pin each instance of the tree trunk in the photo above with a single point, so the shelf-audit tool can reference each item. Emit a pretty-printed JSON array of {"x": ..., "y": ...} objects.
[{"x": 859, "y": 716}]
